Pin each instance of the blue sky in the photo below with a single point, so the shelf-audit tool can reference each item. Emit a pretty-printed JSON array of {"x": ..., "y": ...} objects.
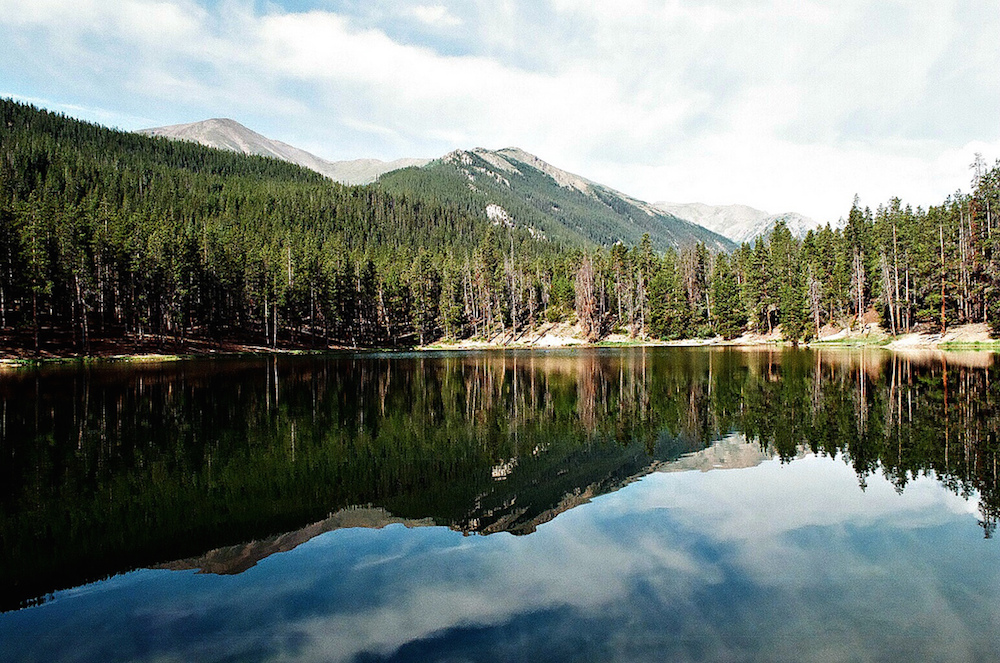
[{"x": 779, "y": 104}]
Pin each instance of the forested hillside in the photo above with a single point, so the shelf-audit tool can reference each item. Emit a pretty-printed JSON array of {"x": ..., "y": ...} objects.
[
  {"x": 106, "y": 232},
  {"x": 513, "y": 188},
  {"x": 115, "y": 235}
]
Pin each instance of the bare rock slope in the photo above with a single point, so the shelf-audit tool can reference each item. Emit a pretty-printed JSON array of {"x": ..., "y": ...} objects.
[{"x": 226, "y": 134}]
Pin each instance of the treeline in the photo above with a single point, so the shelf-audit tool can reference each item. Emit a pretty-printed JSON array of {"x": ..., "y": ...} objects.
[
  {"x": 907, "y": 268},
  {"x": 931, "y": 268},
  {"x": 111, "y": 234}
]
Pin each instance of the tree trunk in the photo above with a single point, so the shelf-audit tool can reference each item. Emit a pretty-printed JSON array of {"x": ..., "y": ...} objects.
[
  {"x": 34, "y": 317},
  {"x": 943, "y": 323},
  {"x": 895, "y": 269}
]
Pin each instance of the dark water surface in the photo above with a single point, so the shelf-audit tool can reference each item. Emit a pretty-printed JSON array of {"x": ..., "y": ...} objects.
[{"x": 594, "y": 505}]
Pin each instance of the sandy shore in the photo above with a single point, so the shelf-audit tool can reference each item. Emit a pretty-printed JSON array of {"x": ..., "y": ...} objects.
[
  {"x": 549, "y": 335},
  {"x": 563, "y": 335}
]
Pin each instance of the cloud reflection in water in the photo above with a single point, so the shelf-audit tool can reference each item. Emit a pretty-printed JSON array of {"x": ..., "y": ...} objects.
[{"x": 774, "y": 562}]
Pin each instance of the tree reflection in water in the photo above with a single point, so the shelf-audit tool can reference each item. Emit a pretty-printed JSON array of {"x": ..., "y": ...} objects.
[{"x": 104, "y": 469}]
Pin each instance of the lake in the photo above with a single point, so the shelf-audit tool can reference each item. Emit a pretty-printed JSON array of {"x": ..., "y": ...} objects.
[{"x": 608, "y": 504}]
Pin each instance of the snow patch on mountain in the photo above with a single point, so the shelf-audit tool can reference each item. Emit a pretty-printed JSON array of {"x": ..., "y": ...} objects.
[{"x": 467, "y": 166}]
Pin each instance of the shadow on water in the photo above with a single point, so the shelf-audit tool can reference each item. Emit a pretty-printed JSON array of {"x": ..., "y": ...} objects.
[{"x": 105, "y": 469}]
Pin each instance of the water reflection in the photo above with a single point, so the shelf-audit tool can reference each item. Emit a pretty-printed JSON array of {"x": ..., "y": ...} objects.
[
  {"x": 732, "y": 565},
  {"x": 105, "y": 469}
]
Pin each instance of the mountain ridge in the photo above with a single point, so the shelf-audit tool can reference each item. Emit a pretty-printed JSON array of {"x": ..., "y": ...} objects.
[
  {"x": 512, "y": 187},
  {"x": 576, "y": 209},
  {"x": 228, "y": 134}
]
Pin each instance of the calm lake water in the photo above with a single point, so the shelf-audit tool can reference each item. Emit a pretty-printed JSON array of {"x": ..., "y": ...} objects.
[{"x": 571, "y": 505}]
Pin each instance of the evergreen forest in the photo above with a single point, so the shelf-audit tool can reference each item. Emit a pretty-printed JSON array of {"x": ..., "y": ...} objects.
[{"x": 109, "y": 234}]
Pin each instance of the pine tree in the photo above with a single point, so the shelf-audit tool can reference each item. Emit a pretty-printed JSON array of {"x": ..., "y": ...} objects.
[
  {"x": 425, "y": 286},
  {"x": 787, "y": 268},
  {"x": 728, "y": 319},
  {"x": 669, "y": 313}
]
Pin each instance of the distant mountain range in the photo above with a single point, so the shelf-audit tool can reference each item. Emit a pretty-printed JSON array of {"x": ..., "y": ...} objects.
[
  {"x": 226, "y": 134},
  {"x": 515, "y": 188},
  {"x": 739, "y": 222}
]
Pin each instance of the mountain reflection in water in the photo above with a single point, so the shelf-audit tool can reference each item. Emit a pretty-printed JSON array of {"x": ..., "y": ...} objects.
[{"x": 106, "y": 469}]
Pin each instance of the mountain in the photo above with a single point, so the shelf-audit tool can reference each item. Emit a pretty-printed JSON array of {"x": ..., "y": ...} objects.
[
  {"x": 506, "y": 187},
  {"x": 513, "y": 188},
  {"x": 739, "y": 223},
  {"x": 226, "y": 134}
]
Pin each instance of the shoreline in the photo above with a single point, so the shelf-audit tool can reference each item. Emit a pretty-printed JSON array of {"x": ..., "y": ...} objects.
[
  {"x": 973, "y": 336},
  {"x": 963, "y": 338}
]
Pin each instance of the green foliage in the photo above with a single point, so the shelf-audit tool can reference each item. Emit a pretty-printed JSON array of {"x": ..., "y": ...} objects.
[
  {"x": 669, "y": 314},
  {"x": 787, "y": 270},
  {"x": 533, "y": 199},
  {"x": 728, "y": 318},
  {"x": 108, "y": 233}
]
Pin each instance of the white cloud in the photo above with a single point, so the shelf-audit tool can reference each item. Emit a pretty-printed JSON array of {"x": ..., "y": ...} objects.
[
  {"x": 781, "y": 105},
  {"x": 437, "y": 15},
  {"x": 653, "y": 535},
  {"x": 729, "y": 564}
]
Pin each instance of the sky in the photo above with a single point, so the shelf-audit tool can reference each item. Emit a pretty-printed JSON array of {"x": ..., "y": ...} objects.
[{"x": 783, "y": 105}]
